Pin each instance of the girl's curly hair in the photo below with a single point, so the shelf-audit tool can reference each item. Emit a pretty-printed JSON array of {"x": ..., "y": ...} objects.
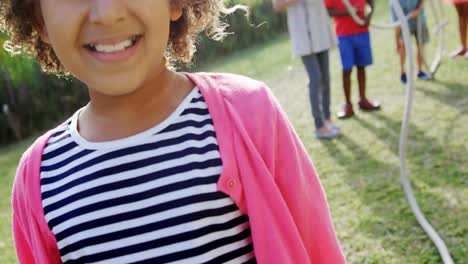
[{"x": 17, "y": 21}]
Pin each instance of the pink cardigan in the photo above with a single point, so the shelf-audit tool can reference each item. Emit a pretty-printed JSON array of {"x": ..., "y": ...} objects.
[{"x": 267, "y": 173}]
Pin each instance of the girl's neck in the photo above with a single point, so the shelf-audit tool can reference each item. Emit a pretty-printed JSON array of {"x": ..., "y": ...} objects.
[
  {"x": 113, "y": 117},
  {"x": 155, "y": 89}
]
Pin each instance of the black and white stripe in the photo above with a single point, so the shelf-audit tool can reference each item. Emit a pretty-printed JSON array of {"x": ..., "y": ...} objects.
[{"x": 149, "y": 198}]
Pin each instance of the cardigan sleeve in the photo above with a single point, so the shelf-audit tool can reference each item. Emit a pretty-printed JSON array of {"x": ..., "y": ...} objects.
[
  {"x": 268, "y": 173},
  {"x": 302, "y": 191},
  {"x": 23, "y": 249},
  {"x": 34, "y": 242}
]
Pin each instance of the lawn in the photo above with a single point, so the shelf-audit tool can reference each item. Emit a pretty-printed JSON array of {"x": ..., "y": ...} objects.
[{"x": 360, "y": 170}]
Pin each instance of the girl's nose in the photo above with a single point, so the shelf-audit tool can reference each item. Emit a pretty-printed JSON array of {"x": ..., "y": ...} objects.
[{"x": 107, "y": 12}]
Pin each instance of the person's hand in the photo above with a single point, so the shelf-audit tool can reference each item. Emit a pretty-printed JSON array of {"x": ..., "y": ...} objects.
[
  {"x": 367, "y": 20},
  {"x": 414, "y": 13},
  {"x": 359, "y": 11},
  {"x": 281, "y": 5}
]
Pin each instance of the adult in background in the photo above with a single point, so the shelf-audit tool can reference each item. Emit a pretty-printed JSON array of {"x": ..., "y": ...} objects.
[{"x": 312, "y": 38}]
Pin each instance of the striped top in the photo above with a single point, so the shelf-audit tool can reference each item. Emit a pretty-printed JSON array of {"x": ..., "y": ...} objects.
[{"x": 148, "y": 198}]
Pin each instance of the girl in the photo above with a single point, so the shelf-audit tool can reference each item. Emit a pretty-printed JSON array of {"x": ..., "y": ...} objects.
[{"x": 160, "y": 166}]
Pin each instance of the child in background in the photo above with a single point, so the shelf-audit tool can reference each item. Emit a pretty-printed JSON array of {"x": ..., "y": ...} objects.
[
  {"x": 160, "y": 166},
  {"x": 355, "y": 50},
  {"x": 311, "y": 39},
  {"x": 418, "y": 28}
]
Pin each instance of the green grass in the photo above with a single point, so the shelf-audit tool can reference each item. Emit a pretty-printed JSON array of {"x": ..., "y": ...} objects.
[
  {"x": 9, "y": 157},
  {"x": 360, "y": 170}
]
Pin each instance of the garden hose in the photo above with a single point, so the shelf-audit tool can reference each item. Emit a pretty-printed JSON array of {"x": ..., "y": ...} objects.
[
  {"x": 442, "y": 248},
  {"x": 439, "y": 29},
  {"x": 403, "y": 23}
]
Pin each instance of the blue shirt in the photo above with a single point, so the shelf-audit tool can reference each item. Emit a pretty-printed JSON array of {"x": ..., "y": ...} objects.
[{"x": 408, "y": 6}]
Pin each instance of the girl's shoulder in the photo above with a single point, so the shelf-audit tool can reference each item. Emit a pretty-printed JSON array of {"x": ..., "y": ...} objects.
[
  {"x": 248, "y": 104},
  {"x": 236, "y": 89},
  {"x": 33, "y": 154}
]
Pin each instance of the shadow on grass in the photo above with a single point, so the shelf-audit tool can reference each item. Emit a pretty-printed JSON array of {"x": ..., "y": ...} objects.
[
  {"x": 423, "y": 152},
  {"x": 379, "y": 190},
  {"x": 452, "y": 93},
  {"x": 378, "y": 184}
]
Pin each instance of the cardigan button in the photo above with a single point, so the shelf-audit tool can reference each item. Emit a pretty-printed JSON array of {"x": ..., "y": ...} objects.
[{"x": 231, "y": 183}]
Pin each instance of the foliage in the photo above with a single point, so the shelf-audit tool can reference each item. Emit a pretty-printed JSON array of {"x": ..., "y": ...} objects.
[{"x": 261, "y": 25}]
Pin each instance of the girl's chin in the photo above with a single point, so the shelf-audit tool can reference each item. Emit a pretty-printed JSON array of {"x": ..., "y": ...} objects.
[{"x": 112, "y": 89}]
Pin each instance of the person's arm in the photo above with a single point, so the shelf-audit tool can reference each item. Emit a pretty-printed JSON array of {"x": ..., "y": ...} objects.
[
  {"x": 417, "y": 10},
  {"x": 34, "y": 242},
  {"x": 368, "y": 17},
  {"x": 337, "y": 13},
  {"x": 302, "y": 191},
  {"x": 333, "y": 11},
  {"x": 281, "y": 5}
]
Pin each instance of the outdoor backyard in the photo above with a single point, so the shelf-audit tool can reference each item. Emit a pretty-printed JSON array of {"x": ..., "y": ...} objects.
[{"x": 360, "y": 170}]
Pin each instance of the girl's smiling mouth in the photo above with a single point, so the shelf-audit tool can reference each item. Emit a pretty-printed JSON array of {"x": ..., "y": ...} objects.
[{"x": 114, "y": 50}]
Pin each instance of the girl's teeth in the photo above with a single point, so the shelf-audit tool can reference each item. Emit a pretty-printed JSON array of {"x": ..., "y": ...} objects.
[{"x": 112, "y": 48}]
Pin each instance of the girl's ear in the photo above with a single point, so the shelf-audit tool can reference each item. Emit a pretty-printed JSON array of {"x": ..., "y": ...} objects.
[
  {"x": 39, "y": 25},
  {"x": 177, "y": 9}
]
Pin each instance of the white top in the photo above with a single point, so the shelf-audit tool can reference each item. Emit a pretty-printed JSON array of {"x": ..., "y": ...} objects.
[{"x": 310, "y": 27}]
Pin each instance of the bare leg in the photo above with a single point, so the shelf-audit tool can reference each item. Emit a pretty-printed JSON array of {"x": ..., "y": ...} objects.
[
  {"x": 401, "y": 50},
  {"x": 464, "y": 18},
  {"x": 462, "y": 11},
  {"x": 420, "y": 57},
  {"x": 361, "y": 76},
  {"x": 347, "y": 85},
  {"x": 348, "y": 108},
  {"x": 364, "y": 103}
]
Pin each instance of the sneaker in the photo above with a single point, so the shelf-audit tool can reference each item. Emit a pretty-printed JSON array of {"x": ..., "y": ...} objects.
[
  {"x": 347, "y": 112},
  {"x": 424, "y": 76},
  {"x": 328, "y": 135},
  {"x": 403, "y": 78},
  {"x": 332, "y": 126},
  {"x": 367, "y": 105}
]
